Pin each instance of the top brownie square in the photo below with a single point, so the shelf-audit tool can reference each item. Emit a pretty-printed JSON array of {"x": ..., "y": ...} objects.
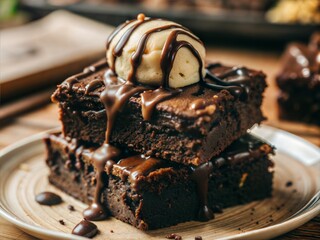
[{"x": 190, "y": 128}]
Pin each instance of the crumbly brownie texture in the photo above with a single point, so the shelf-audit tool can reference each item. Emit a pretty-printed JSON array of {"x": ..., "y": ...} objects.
[
  {"x": 189, "y": 128},
  {"x": 299, "y": 83},
  {"x": 239, "y": 175}
]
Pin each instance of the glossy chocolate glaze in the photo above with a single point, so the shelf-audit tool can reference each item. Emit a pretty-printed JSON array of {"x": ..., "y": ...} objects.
[
  {"x": 48, "y": 198},
  {"x": 150, "y": 99},
  {"x": 85, "y": 229},
  {"x": 100, "y": 157},
  {"x": 314, "y": 44},
  {"x": 137, "y": 166},
  {"x": 201, "y": 176},
  {"x": 234, "y": 84},
  {"x": 300, "y": 61},
  {"x": 85, "y": 73},
  {"x": 96, "y": 83},
  {"x": 117, "y": 92}
]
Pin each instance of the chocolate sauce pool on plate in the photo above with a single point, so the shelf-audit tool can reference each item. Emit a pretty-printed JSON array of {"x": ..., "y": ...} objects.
[
  {"x": 85, "y": 229},
  {"x": 48, "y": 198}
]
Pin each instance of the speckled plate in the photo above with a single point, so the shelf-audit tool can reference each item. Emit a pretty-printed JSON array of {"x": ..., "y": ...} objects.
[{"x": 23, "y": 174}]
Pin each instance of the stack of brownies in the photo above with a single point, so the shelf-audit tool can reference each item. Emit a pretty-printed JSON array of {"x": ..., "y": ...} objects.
[{"x": 157, "y": 156}]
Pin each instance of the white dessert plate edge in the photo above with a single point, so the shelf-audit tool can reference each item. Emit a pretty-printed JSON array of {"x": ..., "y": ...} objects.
[{"x": 284, "y": 142}]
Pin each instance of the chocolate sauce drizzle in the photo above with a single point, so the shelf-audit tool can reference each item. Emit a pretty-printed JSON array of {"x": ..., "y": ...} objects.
[
  {"x": 235, "y": 86},
  {"x": 247, "y": 147},
  {"x": 85, "y": 73},
  {"x": 201, "y": 176},
  {"x": 117, "y": 92},
  {"x": 136, "y": 166}
]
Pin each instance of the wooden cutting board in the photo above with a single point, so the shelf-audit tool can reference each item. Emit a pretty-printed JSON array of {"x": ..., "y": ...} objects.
[{"x": 46, "y": 51}]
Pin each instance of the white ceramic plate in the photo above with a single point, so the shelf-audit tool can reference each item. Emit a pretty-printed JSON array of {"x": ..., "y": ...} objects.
[{"x": 23, "y": 174}]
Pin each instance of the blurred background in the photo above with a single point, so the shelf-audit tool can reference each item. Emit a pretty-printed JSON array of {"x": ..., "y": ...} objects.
[{"x": 265, "y": 20}]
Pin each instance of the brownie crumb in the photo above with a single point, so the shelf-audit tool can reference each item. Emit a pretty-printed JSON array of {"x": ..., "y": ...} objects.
[
  {"x": 198, "y": 238},
  {"x": 111, "y": 231},
  {"x": 62, "y": 222},
  {"x": 257, "y": 222},
  {"x": 289, "y": 184},
  {"x": 174, "y": 236},
  {"x": 71, "y": 208},
  {"x": 239, "y": 229},
  {"x": 67, "y": 164}
]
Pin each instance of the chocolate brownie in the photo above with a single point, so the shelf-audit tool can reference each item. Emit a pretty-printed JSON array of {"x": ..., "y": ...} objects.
[
  {"x": 189, "y": 128},
  {"x": 136, "y": 184},
  {"x": 299, "y": 82}
]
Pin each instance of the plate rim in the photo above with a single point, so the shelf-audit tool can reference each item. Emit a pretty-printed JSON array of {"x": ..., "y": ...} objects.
[{"x": 276, "y": 229}]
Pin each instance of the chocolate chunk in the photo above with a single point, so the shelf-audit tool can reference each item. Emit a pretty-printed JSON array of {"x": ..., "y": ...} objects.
[
  {"x": 48, "y": 198},
  {"x": 85, "y": 229}
]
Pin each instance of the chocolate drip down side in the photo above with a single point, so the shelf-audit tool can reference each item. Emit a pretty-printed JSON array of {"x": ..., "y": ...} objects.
[
  {"x": 247, "y": 147},
  {"x": 136, "y": 166},
  {"x": 114, "y": 97},
  {"x": 201, "y": 176}
]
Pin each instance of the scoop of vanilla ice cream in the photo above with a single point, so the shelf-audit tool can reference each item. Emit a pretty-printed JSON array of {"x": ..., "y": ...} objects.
[{"x": 185, "y": 70}]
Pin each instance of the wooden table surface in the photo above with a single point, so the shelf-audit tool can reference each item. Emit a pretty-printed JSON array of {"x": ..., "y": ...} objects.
[{"x": 46, "y": 117}]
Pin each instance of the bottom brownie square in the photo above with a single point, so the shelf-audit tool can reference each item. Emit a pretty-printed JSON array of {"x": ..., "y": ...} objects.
[{"x": 165, "y": 194}]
